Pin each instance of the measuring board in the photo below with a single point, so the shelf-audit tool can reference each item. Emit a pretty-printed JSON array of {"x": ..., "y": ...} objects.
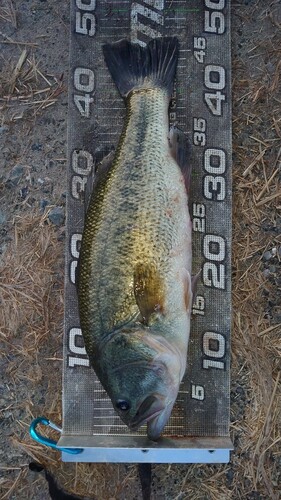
[{"x": 198, "y": 430}]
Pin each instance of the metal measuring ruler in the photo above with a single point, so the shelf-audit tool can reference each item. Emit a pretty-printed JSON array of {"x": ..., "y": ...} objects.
[{"x": 198, "y": 430}]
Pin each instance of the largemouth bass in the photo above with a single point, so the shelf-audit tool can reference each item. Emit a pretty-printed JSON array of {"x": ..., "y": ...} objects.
[{"x": 134, "y": 280}]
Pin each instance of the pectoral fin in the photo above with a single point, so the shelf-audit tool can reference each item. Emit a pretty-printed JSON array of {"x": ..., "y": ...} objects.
[
  {"x": 149, "y": 291},
  {"x": 180, "y": 152},
  {"x": 96, "y": 176},
  {"x": 194, "y": 283}
]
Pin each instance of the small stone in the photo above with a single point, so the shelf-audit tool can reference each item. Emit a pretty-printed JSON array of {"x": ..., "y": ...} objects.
[
  {"x": 267, "y": 255},
  {"x": 254, "y": 495},
  {"x": 28, "y": 178},
  {"x": 40, "y": 181},
  {"x": 270, "y": 67},
  {"x": 3, "y": 248},
  {"x": 274, "y": 251},
  {"x": 47, "y": 186},
  {"x": 230, "y": 476},
  {"x": 24, "y": 192},
  {"x": 3, "y": 217},
  {"x": 3, "y": 129},
  {"x": 272, "y": 269},
  {"x": 56, "y": 216},
  {"x": 266, "y": 273},
  {"x": 276, "y": 318},
  {"x": 7, "y": 414},
  {"x": 36, "y": 147},
  {"x": 15, "y": 175},
  {"x": 43, "y": 204},
  {"x": 240, "y": 390}
]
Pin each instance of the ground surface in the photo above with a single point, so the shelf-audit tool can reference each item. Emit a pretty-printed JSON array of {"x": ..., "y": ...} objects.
[{"x": 33, "y": 107}]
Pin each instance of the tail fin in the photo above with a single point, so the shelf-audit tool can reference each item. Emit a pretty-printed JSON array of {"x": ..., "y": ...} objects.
[{"x": 134, "y": 67}]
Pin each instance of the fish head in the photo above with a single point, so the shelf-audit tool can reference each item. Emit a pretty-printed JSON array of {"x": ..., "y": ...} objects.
[{"x": 144, "y": 386}]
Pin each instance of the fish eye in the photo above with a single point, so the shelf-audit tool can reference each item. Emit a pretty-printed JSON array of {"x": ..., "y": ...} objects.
[{"x": 123, "y": 405}]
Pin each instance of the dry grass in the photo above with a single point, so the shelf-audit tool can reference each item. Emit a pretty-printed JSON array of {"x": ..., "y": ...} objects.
[
  {"x": 31, "y": 318},
  {"x": 8, "y": 12},
  {"x": 25, "y": 90},
  {"x": 27, "y": 281},
  {"x": 256, "y": 345}
]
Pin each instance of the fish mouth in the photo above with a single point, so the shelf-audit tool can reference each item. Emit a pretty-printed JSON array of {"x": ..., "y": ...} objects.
[
  {"x": 156, "y": 425},
  {"x": 149, "y": 409}
]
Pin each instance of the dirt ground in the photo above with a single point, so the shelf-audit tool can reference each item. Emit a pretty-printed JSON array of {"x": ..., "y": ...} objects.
[{"x": 33, "y": 112}]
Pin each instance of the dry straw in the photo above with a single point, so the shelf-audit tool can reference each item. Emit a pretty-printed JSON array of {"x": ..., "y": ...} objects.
[{"x": 25, "y": 89}]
